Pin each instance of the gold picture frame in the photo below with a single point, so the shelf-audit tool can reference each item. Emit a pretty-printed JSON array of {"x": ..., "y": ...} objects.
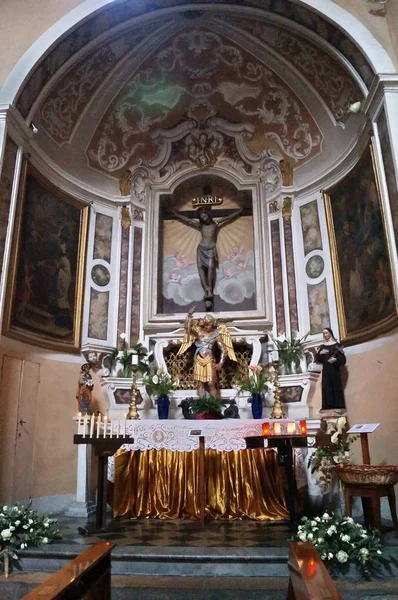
[
  {"x": 361, "y": 254},
  {"x": 45, "y": 283}
]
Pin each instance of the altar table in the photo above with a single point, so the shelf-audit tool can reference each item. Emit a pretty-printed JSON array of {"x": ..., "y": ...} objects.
[{"x": 164, "y": 478}]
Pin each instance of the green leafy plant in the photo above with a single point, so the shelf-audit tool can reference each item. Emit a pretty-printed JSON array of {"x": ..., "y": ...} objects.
[
  {"x": 256, "y": 381},
  {"x": 341, "y": 542},
  {"x": 325, "y": 458},
  {"x": 291, "y": 351},
  {"x": 22, "y": 527},
  {"x": 124, "y": 356},
  {"x": 207, "y": 405},
  {"x": 160, "y": 384}
]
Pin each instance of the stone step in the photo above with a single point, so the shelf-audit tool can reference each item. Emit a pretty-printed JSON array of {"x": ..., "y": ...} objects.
[{"x": 185, "y": 562}]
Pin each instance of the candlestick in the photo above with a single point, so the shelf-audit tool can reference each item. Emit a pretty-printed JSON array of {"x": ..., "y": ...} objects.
[
  {"x": 133, "y": 412},
  {"x": 92, "y": 426},
  {"x": 134, "y": 360},
  {"x": 277, "y": 412}
]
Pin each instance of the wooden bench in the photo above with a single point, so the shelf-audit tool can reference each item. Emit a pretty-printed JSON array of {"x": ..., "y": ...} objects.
[
  {"x": 88, "y": 573},
  {"x": 309, "y": 578}
]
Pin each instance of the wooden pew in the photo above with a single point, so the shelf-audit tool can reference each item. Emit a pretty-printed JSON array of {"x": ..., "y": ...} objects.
[
  {"x": 86, "y": 576},
  {"x": 309, "y": 578}
]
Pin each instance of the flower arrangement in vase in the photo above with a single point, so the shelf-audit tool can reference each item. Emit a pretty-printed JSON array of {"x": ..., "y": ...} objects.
[
  {"x": 160, "y": 385},
  {"x": 291, "y": 351},
  {"x": 342, "y": 542},
  {"x": 22, "y": 527},
  {"x": 126, "y": 357},
  {"x": 255, "y": 383}
]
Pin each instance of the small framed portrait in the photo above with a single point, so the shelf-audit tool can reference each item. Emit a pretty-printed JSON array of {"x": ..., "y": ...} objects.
[
  {"x": 366, "y": 302},
  {"x": 45, "y": 283}
]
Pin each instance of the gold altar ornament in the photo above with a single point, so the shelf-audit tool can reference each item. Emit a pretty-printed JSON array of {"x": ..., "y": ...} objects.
[
  {"x": 133, "y": 412},
  {"x": 277, "y": 412}
]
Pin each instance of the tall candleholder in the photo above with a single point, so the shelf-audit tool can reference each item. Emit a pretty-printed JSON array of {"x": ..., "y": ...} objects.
[
  {"x": 277, "y": 412},
  {"x": 133, "y": 412}
]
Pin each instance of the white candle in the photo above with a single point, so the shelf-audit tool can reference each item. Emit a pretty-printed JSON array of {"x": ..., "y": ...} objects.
[
  {"x": 118, "y": 428},
  {"x": 92, "y": 426},
  {"x": 134, "y": 359},
  {"x": 105, "y": 424},
  {"x": 98, "y": 425},
  {"x": 85, "y": 421},
  {"x": 111, "y": 428},
  {"x": 274, "y": 356},
  {"x": 79, "y": 424},
  {"x": 291, "y": 428},
  {"x": 124, "y": 427},
  {"x": 277, "y": 428}
]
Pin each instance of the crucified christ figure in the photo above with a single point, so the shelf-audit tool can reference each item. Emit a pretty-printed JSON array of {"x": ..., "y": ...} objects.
[{"x": 206, "y": 253}]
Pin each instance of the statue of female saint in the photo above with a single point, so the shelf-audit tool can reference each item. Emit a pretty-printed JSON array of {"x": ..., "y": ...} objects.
[
  {"x": 84, "y": 388},
  {"x": 207, "y": 334},
  {"x": 331, "y": 355}
]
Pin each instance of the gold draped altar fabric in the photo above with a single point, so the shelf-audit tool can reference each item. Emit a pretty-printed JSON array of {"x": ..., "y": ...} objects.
[{"x": 164, "y": 484}]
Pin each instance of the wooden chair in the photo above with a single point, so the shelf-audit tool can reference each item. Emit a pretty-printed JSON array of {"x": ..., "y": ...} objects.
[
  {"x": 309, "y": 578},
  {"x": 86, "y": 576}
]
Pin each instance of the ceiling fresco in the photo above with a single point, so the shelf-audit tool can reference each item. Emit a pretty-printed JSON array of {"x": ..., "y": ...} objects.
[
  {"x": 123, "y": 10},
  {"x": 199, "y": 75},
  {"x": 332, "y": 82},
  {"x": 62, "y": 108}
]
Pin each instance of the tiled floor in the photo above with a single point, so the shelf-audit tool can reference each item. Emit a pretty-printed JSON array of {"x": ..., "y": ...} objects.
[{"x": 161, "y": 533}]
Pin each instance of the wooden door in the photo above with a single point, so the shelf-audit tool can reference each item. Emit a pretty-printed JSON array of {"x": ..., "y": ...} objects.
[{"x": 18, "y": 405}]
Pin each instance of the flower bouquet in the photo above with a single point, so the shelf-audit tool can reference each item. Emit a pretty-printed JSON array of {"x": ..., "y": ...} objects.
[
  {"x": 124, "y": 356},
  {"x": 21, "y": 527},
  {"x": 160, "y": 384},
  {"x": 290, "y": 351},
  {"x": 256, "y": 381},
  {"x": 341, "y": 542},
  {"x": 325, "y": 458}
]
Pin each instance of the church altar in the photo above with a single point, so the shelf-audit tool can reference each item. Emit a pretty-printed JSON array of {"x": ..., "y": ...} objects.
[{"x": 161, "y": 474}]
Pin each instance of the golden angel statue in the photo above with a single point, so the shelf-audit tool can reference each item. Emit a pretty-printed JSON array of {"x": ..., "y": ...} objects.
[{"x": 207, "y": 333}]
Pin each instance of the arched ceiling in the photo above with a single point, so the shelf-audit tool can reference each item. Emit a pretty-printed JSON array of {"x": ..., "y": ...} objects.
[{"x": 105, "y": 96}]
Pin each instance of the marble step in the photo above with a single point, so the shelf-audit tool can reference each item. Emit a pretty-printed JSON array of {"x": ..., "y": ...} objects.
[{"x": 176, "y": 561}]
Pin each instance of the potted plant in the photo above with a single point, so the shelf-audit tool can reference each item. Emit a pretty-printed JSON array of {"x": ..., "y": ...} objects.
[
  {"x": 207, "y": 407},
  {"x": 255, "y": 383},
  {"x": 291, "y": 351},
  {"x": 160, "y": 385},
  {"x": 124, "y": 356}
]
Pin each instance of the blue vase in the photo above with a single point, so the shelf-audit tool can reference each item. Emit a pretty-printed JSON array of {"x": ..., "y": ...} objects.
[
  {"x": 257, "y": 406},
  {"x": 163, "y": 407}
]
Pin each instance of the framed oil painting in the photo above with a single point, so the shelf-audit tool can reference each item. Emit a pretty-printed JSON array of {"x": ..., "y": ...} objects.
[
  {"x": 45, "y": 285},
  {"x": 366, "y": 302}
]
